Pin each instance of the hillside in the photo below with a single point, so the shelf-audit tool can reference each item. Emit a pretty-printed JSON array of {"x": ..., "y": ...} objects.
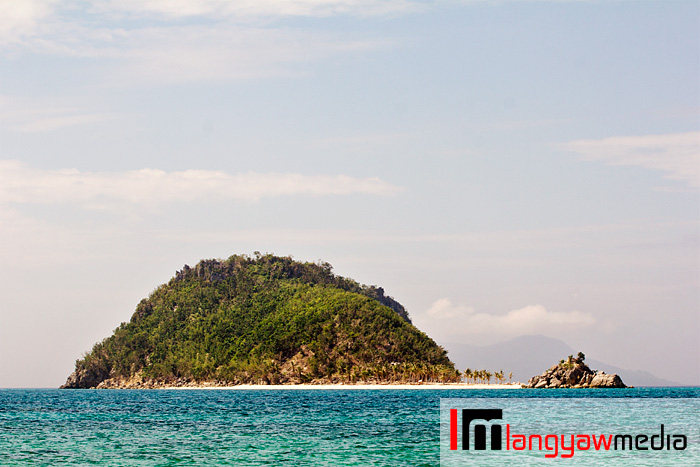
[{"x": 263, "y": 320}]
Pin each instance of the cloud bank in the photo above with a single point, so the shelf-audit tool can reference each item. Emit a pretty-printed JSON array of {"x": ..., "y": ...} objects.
[
  {"x": 256, "y": 8},
  {"x": 449, "y": 321},
  {"x": 677, "y": 154},
  {"x": 21, "y": 18},
  {"x": 21, "y": 184},
  {"x": 178, "y": 41}
]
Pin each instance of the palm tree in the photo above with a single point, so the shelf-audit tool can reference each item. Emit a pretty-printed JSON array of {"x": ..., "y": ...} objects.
[
  {"x": 499, "y": 376},
  {"x": 467, "y": 375},
  {"x": 412, "y": 372}
]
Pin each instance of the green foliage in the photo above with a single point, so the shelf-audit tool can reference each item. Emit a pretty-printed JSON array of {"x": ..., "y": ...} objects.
[
  {"x": 571, "y": 362},
  {"x": 268, "y": 319}
]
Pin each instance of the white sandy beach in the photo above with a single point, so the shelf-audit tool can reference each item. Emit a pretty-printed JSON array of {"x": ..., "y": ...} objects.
[{"x": 431, "y": 386}]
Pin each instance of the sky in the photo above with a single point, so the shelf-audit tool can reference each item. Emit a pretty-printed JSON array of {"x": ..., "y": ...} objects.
[{"x": 501, "y": 168}]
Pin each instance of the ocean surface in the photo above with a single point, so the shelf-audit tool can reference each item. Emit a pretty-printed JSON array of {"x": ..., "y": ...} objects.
[{"x": 316, "y": 427}]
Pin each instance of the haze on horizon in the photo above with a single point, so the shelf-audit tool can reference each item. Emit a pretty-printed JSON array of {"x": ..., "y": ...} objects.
[{"x": 501, "y": 168}]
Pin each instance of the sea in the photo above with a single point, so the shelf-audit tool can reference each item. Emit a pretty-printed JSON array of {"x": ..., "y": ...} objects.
[{"x": 334, "y": 427}]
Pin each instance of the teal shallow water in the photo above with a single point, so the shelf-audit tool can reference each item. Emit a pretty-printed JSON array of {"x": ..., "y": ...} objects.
[{"x": 278, "y": 427}]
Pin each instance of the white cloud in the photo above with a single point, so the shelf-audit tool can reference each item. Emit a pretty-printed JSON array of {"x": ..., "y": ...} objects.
[
  {"x": 35, "y": 115},
  {"x": 449, "y": 322},
  {"x": 192, "y": 53},
  {"x": 104, "y": 29},
  {"x": 677, "y": 154},
  {"x": 274, "y": 8},
  {"x": 177, "y": 51},
  {"x": 257, "y": 8},
  {"x": 21, "y": 184},
  {"x": 56, "y": 123},
  {"x": 19, "y": 18}
]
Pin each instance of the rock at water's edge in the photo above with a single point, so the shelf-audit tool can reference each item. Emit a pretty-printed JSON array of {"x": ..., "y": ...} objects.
[
  {"x": 603, "y": 380},
  {"x": 84, "y": 379}
]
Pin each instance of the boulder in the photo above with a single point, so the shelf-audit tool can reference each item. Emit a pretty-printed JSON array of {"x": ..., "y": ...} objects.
[{"x": 603, "y": 380}]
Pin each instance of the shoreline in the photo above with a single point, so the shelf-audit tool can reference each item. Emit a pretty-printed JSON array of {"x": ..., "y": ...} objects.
[{"x": 421, "y": 386}]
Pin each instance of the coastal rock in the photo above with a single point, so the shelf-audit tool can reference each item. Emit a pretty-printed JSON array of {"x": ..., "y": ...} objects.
[
  {"x": 574, "y": 373},
  {"x": 538, "y": 382},
  {"x": 84, "y": 378},
  {"x": 603, "y": 380}
]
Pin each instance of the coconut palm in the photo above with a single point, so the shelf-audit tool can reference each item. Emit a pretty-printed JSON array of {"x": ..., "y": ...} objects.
[
  {"x": 467, "y": 374},
  {"x": 499, "y": 376}
]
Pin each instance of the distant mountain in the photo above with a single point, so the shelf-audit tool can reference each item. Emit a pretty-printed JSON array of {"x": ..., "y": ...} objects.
[
  {"x": 261, "y": 320},
  {"x": 632, "y": 377},
  {"x": 527, "y": 356}
]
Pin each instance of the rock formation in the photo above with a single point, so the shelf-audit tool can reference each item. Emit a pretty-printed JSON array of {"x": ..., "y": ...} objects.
[{"x": 574, "y": 373}]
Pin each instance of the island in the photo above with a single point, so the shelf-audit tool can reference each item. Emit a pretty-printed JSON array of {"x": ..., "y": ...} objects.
[{"x": 263, "y": 320}]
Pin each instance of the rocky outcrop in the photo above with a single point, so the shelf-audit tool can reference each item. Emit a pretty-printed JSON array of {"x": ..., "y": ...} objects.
[
  {"x": 85, "y": 378},
  {"x": 574, "y": 373}
]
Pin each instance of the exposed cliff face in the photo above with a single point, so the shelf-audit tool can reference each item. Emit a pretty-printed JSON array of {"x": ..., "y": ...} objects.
[
  {"x": 85, "y": 378},
  {"x": 574, "y": 374}
]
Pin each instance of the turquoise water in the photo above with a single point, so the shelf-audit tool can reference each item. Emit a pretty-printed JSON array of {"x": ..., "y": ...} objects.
[{"x": 297, "y": 427}]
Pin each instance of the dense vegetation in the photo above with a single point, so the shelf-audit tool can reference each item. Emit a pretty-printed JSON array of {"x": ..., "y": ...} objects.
[{"x": 264, "y": 319}]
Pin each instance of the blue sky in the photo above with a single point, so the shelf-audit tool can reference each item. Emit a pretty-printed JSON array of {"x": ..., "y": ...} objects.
[{"x": 500, "y": 167}]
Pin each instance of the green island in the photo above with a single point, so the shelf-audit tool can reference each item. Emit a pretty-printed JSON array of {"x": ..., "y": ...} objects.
[{"x": 263, "y": 319}]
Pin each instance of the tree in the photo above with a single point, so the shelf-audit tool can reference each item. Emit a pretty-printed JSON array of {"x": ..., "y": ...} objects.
[
  {"x": 499, "y": 376},
  {"x": 467, "y": 375}
]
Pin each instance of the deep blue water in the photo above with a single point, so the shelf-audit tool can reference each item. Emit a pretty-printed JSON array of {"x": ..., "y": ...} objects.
[{"x": 284, "y": 427}]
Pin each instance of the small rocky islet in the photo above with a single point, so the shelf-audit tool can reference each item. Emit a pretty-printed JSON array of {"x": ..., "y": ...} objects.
[{"x": 574, "y": 373}]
